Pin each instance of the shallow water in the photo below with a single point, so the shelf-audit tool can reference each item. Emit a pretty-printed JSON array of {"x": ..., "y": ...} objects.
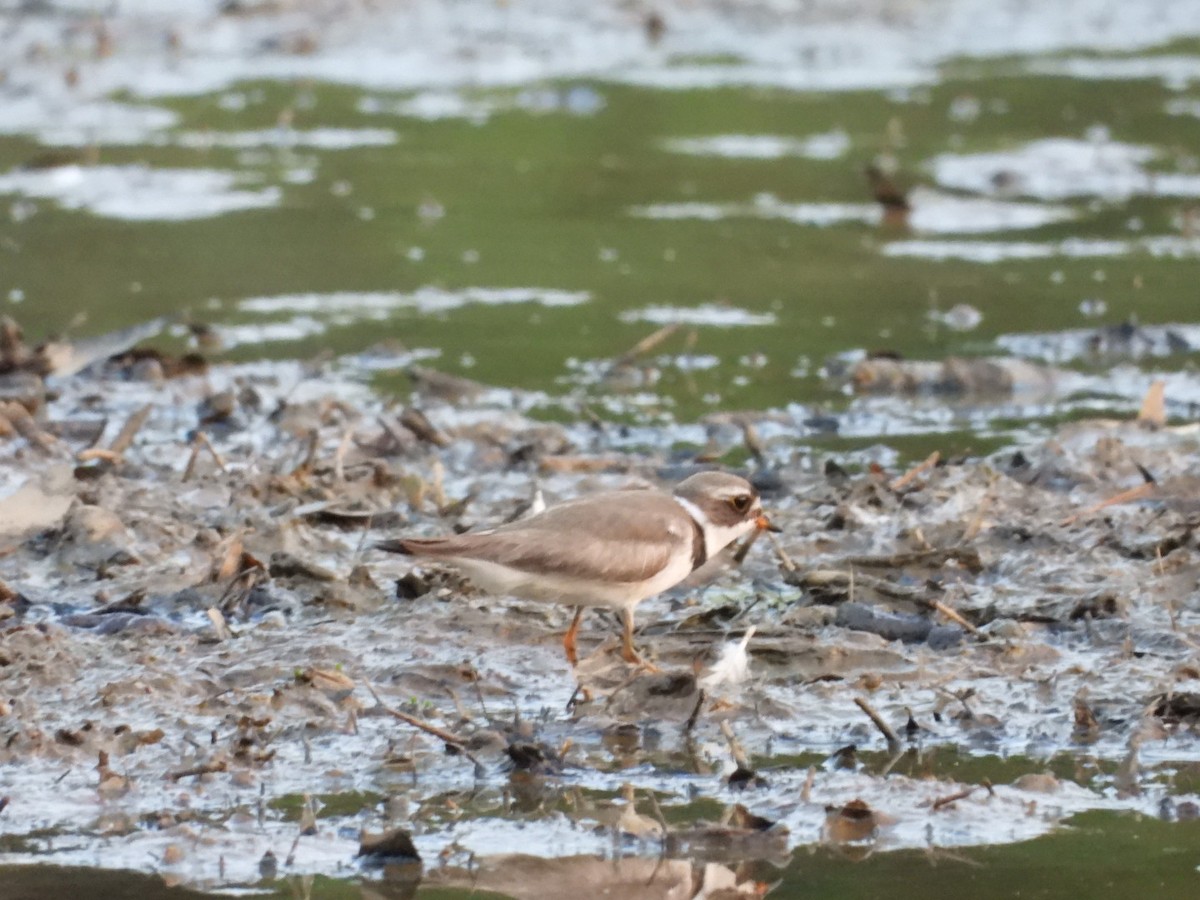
[
  {"x": 1097, "y": 855},
  {"x": 517, "y": 234}
]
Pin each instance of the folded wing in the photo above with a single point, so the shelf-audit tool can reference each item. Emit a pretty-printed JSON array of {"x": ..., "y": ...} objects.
[{"x": 624, "y": 536}]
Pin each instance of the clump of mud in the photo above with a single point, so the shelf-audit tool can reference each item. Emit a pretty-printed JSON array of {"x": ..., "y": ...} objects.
[{"x": 207, "y": 673}]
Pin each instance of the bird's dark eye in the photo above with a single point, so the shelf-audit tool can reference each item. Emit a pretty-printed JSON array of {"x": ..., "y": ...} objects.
[{"x": 741, "y": 502}]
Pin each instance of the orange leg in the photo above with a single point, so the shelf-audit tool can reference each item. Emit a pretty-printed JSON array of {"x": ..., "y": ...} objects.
[
  {"x": 569, "y": 637},
  {"x": 628, "y": 651}
]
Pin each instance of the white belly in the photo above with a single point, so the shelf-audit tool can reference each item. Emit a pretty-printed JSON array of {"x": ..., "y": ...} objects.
[{"x": 568, "y": 591}]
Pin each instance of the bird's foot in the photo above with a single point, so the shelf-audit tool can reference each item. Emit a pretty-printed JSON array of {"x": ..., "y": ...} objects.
[
  {"x": 580, "y": 696},
  {"x": 630, "y": 655}
]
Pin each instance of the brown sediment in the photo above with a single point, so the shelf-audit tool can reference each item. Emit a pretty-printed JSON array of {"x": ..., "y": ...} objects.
[{"x": 230, "y": 630}]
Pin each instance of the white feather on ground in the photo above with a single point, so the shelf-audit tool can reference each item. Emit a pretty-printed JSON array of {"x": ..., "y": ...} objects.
[{"x": 732, "y": 666}]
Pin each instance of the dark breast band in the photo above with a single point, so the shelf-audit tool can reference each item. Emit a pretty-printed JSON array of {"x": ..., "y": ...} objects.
[{"x": 699, "y": 550}]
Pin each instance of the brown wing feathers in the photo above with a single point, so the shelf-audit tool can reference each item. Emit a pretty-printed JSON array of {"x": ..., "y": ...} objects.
[{"x": 619, "y": 546}]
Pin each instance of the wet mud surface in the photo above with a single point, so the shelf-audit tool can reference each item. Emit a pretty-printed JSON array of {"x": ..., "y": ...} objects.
[{"x": 206, "y": 673}]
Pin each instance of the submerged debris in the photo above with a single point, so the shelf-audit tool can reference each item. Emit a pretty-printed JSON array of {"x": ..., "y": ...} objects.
[{"x": 953, "y": 375}]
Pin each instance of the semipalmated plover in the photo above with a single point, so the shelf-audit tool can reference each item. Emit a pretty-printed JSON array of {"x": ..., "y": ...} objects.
[{"x": 612, "y": 549}]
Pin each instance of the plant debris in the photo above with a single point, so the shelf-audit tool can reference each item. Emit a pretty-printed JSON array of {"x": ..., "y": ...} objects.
[{"x": 198, "y": 606}]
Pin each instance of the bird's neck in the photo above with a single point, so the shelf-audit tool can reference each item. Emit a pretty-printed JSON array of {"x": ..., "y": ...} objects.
[{"x": 716, "y": 537}]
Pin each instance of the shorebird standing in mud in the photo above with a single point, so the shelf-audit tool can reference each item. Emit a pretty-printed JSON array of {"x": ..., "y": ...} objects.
[{"x": 612, "y": 549}]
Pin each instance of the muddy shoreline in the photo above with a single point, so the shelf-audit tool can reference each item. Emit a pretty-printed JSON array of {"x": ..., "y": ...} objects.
[{"x": 201, "y": 665}]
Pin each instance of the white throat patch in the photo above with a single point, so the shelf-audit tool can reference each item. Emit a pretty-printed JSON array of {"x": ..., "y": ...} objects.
[{"x": 716, "y": 537}]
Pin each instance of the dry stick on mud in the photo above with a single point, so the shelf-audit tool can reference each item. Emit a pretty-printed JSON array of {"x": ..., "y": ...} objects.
[
  {"x": 124, "y": 439},
  {"x": 1153, "y": 414},
  {"x": 218, "y": 623},
  {"x": 953, "y": 615},
  {"x": 1135, "y": 493},
  {"x": 644, "y": 346},
  {"x": 418, "y": 423},
  {"x": 752, "y": 441},
  {"x": 209, "y": 768},
  {"x": 690, "y": 724},
  {"x": 784, "y": 560},
  {"x": 898, "y": 753},
  {"x": 735, "y": 749},
  {"x": 312, "y": 443},
  {"x": 339, "y": 458},
  {"x": 441, "y": 734},
  {"x": 743, "y": 550},
  {"x": 199, "y": 443},
  {"x": 115, "y": 452},
  {"x": 1162, "y": 571},
  {"x": 976, "y": 524},
  {"x": 915, "y": 472},
  {"x": 25, "y": 425},
  {"x": 951, "y": 798},
  {"x": 88, "y": 454},
  {"x": 809, "y": 779},
  {"x": 212, "y": 451},
  {"x": 393, "y": 431},
  {"x": 658, "y": 813},
  {"x": 884, "y": 728}
]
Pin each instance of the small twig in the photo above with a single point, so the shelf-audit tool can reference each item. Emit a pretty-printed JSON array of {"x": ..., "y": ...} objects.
[
  {"x": 393, "y": 431},
  {"x": 25, "y": 425},
  {"x": 953, "y": 616},
  {"x": 1153, "y": 414},
  {"x": 916, "y": 471},
  {"x": 976, "y": 524},
  {"x": 809, "y": 779},
  {"x": 644, "y": 346},
  {"x": 951, "y": 798},
  {"x": 208, "y": 445},
  {"x": 291, "y": 856},
  {"x": 735, "y": 749},
  {"x": 199, "y": 442},
  {"x": 898, "y": 753},
  {"x": 658, "y": 813},
  {"x": 743, "y": 549},
  {"x": 1162, "y": 571},
  {"x": 784, "y": 559},
  {"x": 208, "y": 768},
  {"x": 753, "y": 442},
  {"x": 418, "y": 423},
  {"x": 690, "y": 725},
  {"x": 441, "y": 734},
  {"x": 339, "y": 458},
  {"x": 124, "y": 439},
  {"x": 884, "y": 728},
  {"x": 190, "y": 468},
  {"x": 88, "y": 454},
  {"x": 1134, "y": 493},
  {"x": 310, "y": 453},
  {"x": 218, "y": 622}
]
